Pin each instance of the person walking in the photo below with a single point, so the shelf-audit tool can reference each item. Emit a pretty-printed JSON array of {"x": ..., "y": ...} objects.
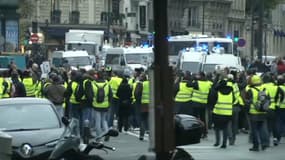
[
  {"x": 18, "y": 88},
  {"x": 275, "y": 95},
  {"x": 223, "y": 99},
  {"x": 183, "y": 93},
  {"x": 142, "y": 96},
  {"x": 102, "y": 97},
  {"x": 124, "y": 94},
  {"x": 258, "y": 119},
  {"x": 55, "y": 93}
]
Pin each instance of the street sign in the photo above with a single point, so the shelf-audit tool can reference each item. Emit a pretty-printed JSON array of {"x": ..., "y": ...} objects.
[
  {"x": 241, "y": 42},
  {"x": 34, "y": 38}
]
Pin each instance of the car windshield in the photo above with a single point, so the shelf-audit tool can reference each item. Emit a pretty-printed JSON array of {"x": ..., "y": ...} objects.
[
  {"x": 209, "y": 68},
  {"x": 138, "y": 58},
  {"x": 193, "y": 67},
  {"x": 28, "y": 116},
  {"x": 78, "y": 61}
]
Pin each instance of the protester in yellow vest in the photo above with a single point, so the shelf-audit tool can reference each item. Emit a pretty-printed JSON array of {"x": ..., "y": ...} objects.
[
  {"x": 101, "y": 103},
  {"x": 183, "y": 94},
  {"x": 114, "y": 82},
  {"x": 281, "y": 108},
  {"x": 275, "y": 94},
  {"x": 29, "y": 84},
  {"x": 142, "y": 96},
  {"x": 222, "y": 98},
  {"x": 258, "y": 119},
  {"x": 199, "y": 101}
]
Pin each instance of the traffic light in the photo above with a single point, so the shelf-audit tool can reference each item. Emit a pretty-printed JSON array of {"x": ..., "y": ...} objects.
[
  {"x": 27, "y": 36},
  {"x": 236, "y": 36}
]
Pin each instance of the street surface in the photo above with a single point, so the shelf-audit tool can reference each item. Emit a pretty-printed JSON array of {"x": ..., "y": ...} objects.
[{"x": 129, "y": 147}]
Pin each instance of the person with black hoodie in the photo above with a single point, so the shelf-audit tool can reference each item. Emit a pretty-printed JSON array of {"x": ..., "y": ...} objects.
[
  {"x": 222, "y": 98},
  {"x": 125, "y": 99}
]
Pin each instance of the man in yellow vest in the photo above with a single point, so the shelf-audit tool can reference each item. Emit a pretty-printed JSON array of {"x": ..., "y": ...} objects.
[
  {"x": 275, "y": 94},
  {"x": 281, "y": 108},
  {"x": 222, "y": 98},
  {"x": 101, "y": 103},
  {"x": 142, "y": 97},
  {"x": 183, "y": 93},
  {"x": 258, "y": 119},
  {"x": 29, "y": 83},
  {"x": 5, "y": 85},
  {"x": 114, "y": 83},
  {"x": 201, "y": 90},
  {"x": 73, "y": 107}
]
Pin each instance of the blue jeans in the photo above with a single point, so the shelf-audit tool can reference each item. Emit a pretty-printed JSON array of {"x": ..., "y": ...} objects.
[
  {"x": 114, "y": 108},
  {"x": 259, "y": 131},
  {"x": 81, "y": 113},
  {"x": 101, "y": 125}
]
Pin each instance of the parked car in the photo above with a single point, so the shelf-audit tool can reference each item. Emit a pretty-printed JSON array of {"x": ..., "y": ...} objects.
[{"x": 34, "y": 125}]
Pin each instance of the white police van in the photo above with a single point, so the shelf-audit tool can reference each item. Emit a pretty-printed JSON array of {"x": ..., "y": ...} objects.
[{"x": 126, "y": 60}]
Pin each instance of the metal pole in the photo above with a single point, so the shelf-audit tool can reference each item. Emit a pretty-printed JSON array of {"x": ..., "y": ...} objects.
[
  {"x": 163, "y": 82},
  {"x": 260, "y": 30},
  {"x": 108, "y": 21},
  {"x": 252, "y": 31},
  {"x": 203, "y": 17}
]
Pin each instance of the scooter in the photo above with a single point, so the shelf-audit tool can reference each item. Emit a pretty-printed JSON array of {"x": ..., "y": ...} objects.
[{"x": 71, "y": 147}]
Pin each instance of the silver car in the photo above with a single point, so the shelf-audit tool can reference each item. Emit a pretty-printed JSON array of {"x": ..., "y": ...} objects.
[{"x": 34, "y": 125}]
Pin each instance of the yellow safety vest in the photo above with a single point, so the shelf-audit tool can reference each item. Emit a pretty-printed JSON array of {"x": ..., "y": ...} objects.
[
  {"x": 145, "y": 93},
  {"x": 282, "y": 104},
  {"x": 252, "y": 109},
  {"x": 201, "y": 95},
  {"x": 74, "y": 87},
  {"x": 1, "y": 87},
  {"x": 238, "y": 98},
  {"x": 105, "y": 103},
  {"x": 30, "y": 86},
  {"x": 115, "y": 83},
  {"x": 224, "y": 105},
  {"x": 184, "y": 94},
  {"x": 271, "y": 88}
]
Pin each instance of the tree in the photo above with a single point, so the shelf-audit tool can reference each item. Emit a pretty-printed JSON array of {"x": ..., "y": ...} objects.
[
  {"x": 268, "y": 5},
  {"x": 25, "y": 12}
]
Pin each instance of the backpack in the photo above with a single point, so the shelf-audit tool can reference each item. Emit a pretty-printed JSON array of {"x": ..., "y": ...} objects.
[
  {"x": 100, "y": 96},
  {"x": 263, "y": 101}
]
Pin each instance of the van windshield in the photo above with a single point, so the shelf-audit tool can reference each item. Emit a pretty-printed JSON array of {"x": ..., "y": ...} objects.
[
  {"x": 209, "y": 68},
  {"x": 78, "y": 61},
  {"x": 138, "y": 58},
  {"x": 193, "y": 67}
]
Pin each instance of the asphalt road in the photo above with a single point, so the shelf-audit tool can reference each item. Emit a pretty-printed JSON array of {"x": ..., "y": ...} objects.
[{"x": 129, "y": 147}]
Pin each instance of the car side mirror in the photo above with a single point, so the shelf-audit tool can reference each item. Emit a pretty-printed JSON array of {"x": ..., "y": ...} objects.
[{"x": 65, "y": 121}]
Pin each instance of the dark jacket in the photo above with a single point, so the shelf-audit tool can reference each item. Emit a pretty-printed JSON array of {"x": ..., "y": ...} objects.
[
  {"x": 125, "y": 94},
  {"x": 87, "y": 92},
  {"x": 20, "y": 90},
  {"x": 55, "y": 93}
]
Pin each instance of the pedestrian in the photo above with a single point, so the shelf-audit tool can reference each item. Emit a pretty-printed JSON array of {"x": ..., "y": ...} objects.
[
  {"x": 142, "y": 96},
  {"x": 55, "y": 93},
  {"x": 275, "y": 95},
  {"x": 125, "y": 99},
  {"x": 258, "y": 119},
  {"x": 222, "y": 98},
  {"x": 183, "y": 93},
  {"x": 102, "y": 97},
  {"x": 18, "y": 88}
]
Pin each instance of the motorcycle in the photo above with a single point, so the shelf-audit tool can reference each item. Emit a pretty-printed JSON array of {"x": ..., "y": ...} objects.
[{"x": 71, "y": 147}]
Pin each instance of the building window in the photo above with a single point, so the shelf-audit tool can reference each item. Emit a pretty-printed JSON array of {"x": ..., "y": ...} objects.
[{"x": 193, "y": 16}]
